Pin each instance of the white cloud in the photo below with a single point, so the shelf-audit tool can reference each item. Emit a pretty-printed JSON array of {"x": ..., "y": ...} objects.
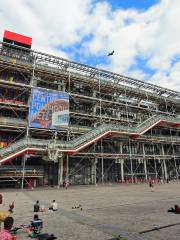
[
  {"x": 168, "y": 80},
  {"x": 152, "y": 34},
  {"x": 50, "y": 23}
]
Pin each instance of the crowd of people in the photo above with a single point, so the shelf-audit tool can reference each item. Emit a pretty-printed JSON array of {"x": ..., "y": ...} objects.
[
  {"x": 33, "y": 229},
  {"x": 5, "y": 233}
]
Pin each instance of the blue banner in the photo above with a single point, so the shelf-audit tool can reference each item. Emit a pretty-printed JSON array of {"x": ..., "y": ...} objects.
[{"x": 48, "y": 109}]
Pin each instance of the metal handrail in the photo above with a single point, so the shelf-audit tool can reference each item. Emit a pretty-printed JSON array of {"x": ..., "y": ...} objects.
[{"x": 97, "y": 132}]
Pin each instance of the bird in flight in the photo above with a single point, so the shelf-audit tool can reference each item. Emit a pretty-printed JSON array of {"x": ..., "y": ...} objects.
[{"x": 111, "y": 53}]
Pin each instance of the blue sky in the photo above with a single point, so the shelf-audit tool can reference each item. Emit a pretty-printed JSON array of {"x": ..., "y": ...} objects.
[
  {"x": 140, "y": 5},
  {"x": 143, "y": 33},
  {"x": 126, "y": 4}
]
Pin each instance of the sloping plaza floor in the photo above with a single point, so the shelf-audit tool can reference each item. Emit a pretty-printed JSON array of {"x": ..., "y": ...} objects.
[{"x": 107, "y": 211}]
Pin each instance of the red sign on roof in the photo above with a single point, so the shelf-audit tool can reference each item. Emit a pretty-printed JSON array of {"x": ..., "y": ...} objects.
[{"x": 17, "y": 37}]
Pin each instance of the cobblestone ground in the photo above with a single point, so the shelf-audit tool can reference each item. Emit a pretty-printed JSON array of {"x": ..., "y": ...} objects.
[{"x": 107, "y": 211}]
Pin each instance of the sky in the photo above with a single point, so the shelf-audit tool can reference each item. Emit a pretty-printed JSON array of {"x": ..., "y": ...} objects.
[{"x": 145, "y": 34}]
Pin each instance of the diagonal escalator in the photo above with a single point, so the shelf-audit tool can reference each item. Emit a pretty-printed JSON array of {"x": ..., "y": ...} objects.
[{"x": 27, "y": 145}]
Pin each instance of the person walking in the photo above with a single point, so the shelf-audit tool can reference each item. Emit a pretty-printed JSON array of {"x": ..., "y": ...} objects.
[{"x": 151, "y": 185}]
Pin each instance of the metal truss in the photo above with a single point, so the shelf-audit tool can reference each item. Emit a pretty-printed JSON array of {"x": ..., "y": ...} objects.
[
  {"x": 70, "y": 66},
  {"x": 107, "y": 88}
]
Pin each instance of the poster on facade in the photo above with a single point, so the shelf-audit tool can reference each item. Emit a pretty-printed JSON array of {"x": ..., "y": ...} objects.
[{"x": 48, "y": 109}]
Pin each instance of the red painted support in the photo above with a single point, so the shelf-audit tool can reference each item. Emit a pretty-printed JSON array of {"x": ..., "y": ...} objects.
[
  {"x": 176, "y": 125},
  {"x": 31, "y": 152},
  {"x": 71, "y": 153},
  {"x": 134, "y": 136},
  {"x": 109, "y": 135},
  {"x": 162, "y": 123}
]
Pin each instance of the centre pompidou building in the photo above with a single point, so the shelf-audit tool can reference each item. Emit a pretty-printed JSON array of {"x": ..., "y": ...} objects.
[{"x": 65, "y": 121}]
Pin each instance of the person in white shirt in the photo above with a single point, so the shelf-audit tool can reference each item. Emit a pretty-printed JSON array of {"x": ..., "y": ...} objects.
[{"x": 54, "y": 206}]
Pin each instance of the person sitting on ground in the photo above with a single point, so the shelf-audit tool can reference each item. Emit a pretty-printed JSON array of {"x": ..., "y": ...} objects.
[
  {"x": 54, "y": 206},
  {"x": 36, "y": 206},
  {"x": 37, "y": 223},
  {"x": 5, "y": 234},
  {"x": 176, "y": 209},
  {"x": 5, "y": 214},
  {"x": 35, "y": 226}
]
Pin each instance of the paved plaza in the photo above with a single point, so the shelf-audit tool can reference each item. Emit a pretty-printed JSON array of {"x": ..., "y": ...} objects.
[{"x": 107, "y": 211}]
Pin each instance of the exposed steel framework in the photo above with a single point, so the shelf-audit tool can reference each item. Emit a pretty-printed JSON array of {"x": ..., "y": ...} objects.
[{"x": 121, "y": 129}]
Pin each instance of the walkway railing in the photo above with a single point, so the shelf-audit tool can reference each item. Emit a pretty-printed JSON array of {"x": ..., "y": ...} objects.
[{"x": 83, "y": 140}]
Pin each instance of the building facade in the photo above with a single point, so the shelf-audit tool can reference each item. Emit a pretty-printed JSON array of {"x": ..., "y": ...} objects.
[{"x": 65, "y": 121}]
